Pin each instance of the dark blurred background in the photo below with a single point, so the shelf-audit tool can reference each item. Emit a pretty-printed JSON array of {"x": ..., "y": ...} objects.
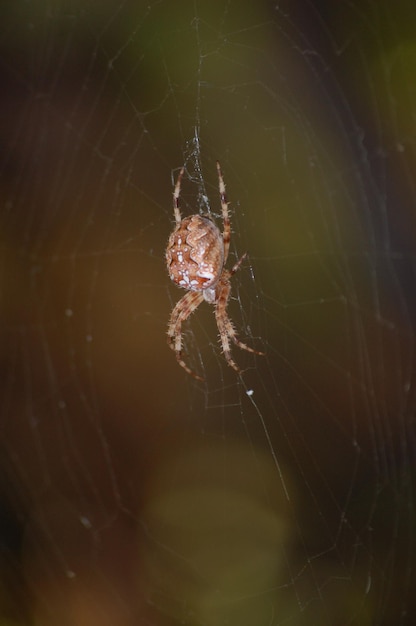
[{"x": 129, "y": 492}]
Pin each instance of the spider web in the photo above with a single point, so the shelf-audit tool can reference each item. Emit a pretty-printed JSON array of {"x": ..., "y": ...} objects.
[{"x": 130, "y": 492}]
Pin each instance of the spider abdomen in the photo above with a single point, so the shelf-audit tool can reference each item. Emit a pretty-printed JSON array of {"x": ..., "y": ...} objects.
[{"x": 195, "y": 253}]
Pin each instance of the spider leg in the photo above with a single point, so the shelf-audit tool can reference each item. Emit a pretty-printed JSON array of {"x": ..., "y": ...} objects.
[
  {"x": 226, "y": 235},
  {"x": 180, "y": 313},
  {"x": 237, "y": 265},
  {"x": 223, "y": 321},
  {"x": 225, "y": 325},
  {"x": 176, "y": 194},
  {"x": 233, "y": 334}
]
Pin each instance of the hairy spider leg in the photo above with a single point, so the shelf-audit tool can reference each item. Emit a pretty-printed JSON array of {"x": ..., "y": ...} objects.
[
  {"x": 225, "y": 325},
  {"x": 176, "y": 194},
  {"x": 226, "y": 235},
  {"x": 180, "y": 313}
]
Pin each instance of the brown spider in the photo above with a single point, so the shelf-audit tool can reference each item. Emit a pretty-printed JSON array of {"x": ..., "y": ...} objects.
[{"x": 196, "y": 255}]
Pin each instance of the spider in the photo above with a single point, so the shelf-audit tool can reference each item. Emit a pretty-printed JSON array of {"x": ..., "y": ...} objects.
[{"x": 196, "y": 255}]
